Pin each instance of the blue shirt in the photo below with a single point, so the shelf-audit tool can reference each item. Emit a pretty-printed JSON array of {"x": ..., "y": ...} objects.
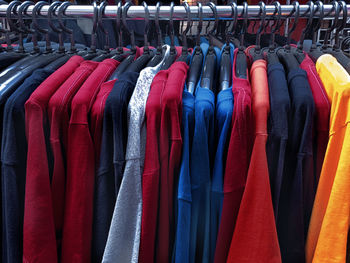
[
  {"x": 223, "y": 114},
  {"x": 14, "y": 162},
  {"x": 184, "y": 199},
  {"x": 202, "y": 156}
]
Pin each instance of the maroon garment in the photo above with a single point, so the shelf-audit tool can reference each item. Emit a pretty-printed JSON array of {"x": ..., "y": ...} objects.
[
  {"x": 323, "y": 108},
  {"x": 151, "y": 172},
  {"x": 77, "y": 232},
  {"x": 39, "y": 240},
  {"x": 170, "y": 145},
  {"x": 58, "y": 112},
  {"x": 96, "y": 117},
  {"x": 237, "y": 164}
]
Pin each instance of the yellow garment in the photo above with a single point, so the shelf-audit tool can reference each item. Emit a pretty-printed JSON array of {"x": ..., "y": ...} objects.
[{"x": 329, "y": 225}]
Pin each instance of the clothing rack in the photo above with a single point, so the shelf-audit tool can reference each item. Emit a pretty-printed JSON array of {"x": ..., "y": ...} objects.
[{"x": 179, "y": 13}]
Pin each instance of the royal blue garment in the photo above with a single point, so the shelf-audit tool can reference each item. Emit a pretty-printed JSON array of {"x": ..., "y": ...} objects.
[
  {"x": 184, "y": 199},
  {"x": 201, "y": 165},
  {"x": 297, "y": 185},
  {"x": 14, "y": 160},
  {"x": 223, "y": 119}
]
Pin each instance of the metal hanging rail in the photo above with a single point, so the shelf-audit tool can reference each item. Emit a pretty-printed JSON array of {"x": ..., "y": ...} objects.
[{"x": 137, "y": 12}]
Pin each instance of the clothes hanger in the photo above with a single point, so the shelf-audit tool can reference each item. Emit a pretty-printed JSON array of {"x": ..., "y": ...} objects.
[
  {"x": 173, "y": 53},
  {"x": 325, "y": 48},
  {"x": 285, "y": 54},
  {"x": 93, "y": 52},
  {"x": 315, "y": 52},
  {"x": 13, "y": 28},
  {"x": 105, "y": 53},
  {"x": 127, "y": 61},
  {"x": 210, "y": 58},
  {"x": 299, "y": 53},
  {"x": 61, "y": 49},
  {"x": 119, "y": 53},
  {"x": 185, "y": 54},
  {"x": 271, "y": 53},
  {"x": 256, "y": 52},
  {"x": 159, "y": 53},
  {"x": 336, "y": 51},
  {"x": 225, "y": 62},
  {"x": 35, "y": 59},
  {"x": 141, "y": 61},
  {"x": 197, "y": 57},
  {"x": 241, "y": 59},
  {"x": 10, "y": 58},
  {"x": 35, "y": 14}
]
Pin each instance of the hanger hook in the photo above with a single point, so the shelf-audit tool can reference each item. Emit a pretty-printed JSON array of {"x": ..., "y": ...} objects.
[
  {"x": 60, "y": 12},
  {"x": 334, "y": 24},
  {"x": 11, "y": 8},
  {"x": 93, "y": 46},
  {"x": 200, "y": 24},
  {"x": 145, "y": 32},
  {"x": 35, "y": 12},
  {"x": 215, "y": 13},
  {"x": 131, "y": 34},
  {"x": 188, "y": 26},
  {"x": 311, "y": 10},
  {"x": 320, "y": 9},
  {"x": 101, "y": 10},
  {"x": 296, "y": 12},
  {"x": 245, "y": 24},
  {"x": 118, "y": 27},
  {"x": 6, "y": 32},
  {"x": 171, "y": 25},
  {"x": 262, "y": 25},
  {"x": 59, "y": 31},
  {"x": 276, "y": 25},
  {"x": 342, "y": 25},
  {"x": 158, "y": 30},
  {"x": 234, "y": 15},
  {"x": 20, "y": 12}
]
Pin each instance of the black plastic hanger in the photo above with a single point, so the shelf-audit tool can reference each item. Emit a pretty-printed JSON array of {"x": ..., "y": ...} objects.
[
  {"x": 35, "y": 59},
  {"x": 159, "y": 53},
  {"x": 299, "y": 53},
  {"x": 271, "y": 53},
  {"x": 197, "y": 58},
  {"x": 185, "y": 54},
  {"x": 315, "y": 52},
  {"x": 173, "y": 53},
  {"x": 336, "y": 51},
  {"x": 241, "y": 59},
  {"x": 127, "y": 61},
  {"x": 225, "y": 62},
  {"x": 93, "y": 52},
  {"x": 208, "y": 75},
  {"x": 119, "y": 53},
  {"x": 256, "y": 52},
  {"x": 105, "y": 53},
  {"x": 10, "y": 58},
  {"x": 285, "y": 54},
  {"x": 141, "y": 61}
]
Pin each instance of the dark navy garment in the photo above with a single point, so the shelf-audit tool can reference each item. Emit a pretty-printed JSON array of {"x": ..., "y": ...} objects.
[
  {"x": 223, "y": 119},
  {"x": 184, "y": 199},
  {"x": 112, "y": 159},
  {"x": 297, "y": 186},
  {"x": 277, "y": 129},
  {"x": 14, "y": 159},
  {"x": 201, "y": 165}
]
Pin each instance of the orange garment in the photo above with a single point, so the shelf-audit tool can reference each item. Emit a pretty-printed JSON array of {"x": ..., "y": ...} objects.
[
  {"x": 329, "y": 225},
  {"x": 255, "y": 236}
]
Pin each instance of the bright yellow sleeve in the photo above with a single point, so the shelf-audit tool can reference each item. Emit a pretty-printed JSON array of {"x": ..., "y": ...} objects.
[{"x": 327, "y": 235}]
